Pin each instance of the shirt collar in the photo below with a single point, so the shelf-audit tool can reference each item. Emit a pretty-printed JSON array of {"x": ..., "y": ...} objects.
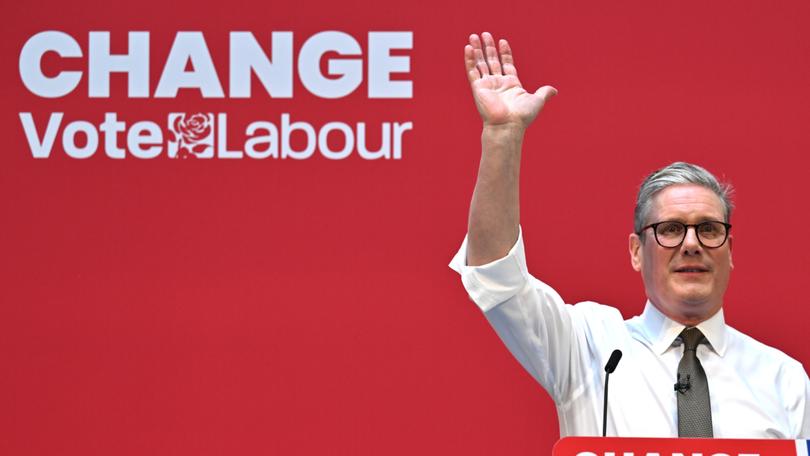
[{"x": 662, "y": 332}]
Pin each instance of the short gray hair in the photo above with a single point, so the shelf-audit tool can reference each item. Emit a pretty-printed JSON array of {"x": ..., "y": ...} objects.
[{"x": 678, "y": 173}]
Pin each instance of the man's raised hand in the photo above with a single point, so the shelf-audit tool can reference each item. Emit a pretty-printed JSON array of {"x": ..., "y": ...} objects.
[{"x": 500, "y": 98}]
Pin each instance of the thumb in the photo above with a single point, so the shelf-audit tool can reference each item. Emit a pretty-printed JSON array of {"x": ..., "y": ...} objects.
[{"x": 546, "y": 92}]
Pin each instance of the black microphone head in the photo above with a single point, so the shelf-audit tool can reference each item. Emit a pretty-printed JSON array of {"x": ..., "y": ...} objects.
[{"x": 613, "y": 361}]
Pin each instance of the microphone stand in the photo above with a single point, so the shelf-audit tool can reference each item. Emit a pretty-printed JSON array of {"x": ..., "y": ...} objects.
[{"x": 609, "y": 368}]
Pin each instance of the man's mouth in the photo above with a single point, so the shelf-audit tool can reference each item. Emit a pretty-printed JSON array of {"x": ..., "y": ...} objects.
[{"x": 692, "y": 269}]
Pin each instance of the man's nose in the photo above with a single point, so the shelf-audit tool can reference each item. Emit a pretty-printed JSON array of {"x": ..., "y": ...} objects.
[{"x": 691, "y": 245}]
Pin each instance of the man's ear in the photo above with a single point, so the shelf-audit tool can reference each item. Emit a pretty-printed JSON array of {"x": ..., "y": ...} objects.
[{"x": 635, "y": 252}]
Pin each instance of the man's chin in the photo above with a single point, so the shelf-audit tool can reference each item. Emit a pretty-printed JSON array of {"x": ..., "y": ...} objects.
[
  {"x": 696, "y": 306},
  {"x": 692, "y": 294}
]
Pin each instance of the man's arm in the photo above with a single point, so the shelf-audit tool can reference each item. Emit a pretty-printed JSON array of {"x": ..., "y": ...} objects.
[
  {"x": 506, "y": 110},
  {"x": 541, "y": 331}
]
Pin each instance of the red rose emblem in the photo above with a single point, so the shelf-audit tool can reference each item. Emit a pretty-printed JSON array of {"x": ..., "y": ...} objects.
[{"x": 190, "y": 130}]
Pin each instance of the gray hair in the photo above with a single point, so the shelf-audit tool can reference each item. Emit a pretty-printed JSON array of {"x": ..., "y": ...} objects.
[{"x": 678, "y": 173}]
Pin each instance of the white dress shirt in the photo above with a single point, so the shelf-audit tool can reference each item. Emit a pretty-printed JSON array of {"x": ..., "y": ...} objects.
[{"x": 756, "y": 391}]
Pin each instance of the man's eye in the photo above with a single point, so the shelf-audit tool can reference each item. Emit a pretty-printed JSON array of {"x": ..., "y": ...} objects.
[
  {"x": 712, "y": 230},
  {"x": 670, "y": 228},
  {"x": 708, "y": 228}
]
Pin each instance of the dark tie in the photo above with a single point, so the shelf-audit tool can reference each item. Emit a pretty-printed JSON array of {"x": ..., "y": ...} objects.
[{"x": 692, "y": 389}]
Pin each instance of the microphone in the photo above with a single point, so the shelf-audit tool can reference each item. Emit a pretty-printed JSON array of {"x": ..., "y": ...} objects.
[
  {"x": 615, "y": 357},
  {"x": 613, "y": 361},
  {"x": 683, "y": 387}
]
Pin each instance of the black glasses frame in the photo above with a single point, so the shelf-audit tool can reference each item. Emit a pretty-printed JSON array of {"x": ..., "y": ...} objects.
[{"x": 686, "y": 227}]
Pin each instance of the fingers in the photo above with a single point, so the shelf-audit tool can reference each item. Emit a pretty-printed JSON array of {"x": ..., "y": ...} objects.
[
  {"x": 478, "y": 55},
  {"x": 482, "y": 58},
  {"x": 469, "y": 62},
  {"x": 546, "y": 92},
  {"x": 491, "y": 54},
  {"x": 507, "y": 61}
]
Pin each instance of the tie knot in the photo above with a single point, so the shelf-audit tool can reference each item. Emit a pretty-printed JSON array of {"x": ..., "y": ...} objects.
[{"x": 692, "y": 337}]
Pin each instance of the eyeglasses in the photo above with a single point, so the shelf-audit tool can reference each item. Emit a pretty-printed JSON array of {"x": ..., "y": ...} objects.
[{"x": 671, "y": 234}]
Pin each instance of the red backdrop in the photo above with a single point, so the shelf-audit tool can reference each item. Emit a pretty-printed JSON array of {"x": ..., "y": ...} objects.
[{"x": 305, "y": 307}]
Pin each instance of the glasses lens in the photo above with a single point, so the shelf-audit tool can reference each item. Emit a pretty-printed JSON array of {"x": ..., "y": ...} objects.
[
  {"x": 669, "y": 234},
  {"x": 711, "y": 234}
]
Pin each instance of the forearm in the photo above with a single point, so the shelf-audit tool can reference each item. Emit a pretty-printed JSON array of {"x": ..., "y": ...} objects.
[{"x": 495, "y": 207}]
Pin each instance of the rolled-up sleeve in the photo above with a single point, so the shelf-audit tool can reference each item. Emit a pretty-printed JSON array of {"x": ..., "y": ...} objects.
[{"x": 493, "y": 283}]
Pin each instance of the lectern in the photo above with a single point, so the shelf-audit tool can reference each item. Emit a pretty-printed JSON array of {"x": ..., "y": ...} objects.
[{"x": 617, "y": 446}]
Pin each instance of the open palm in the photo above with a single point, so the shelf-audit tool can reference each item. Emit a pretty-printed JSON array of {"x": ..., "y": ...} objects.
[{"x": 498, "y": 94}]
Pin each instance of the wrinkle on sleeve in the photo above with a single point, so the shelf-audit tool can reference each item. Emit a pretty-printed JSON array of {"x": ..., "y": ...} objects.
[
  {"x": 543, "y": 333},
  {"x": 804, "y": 410}
]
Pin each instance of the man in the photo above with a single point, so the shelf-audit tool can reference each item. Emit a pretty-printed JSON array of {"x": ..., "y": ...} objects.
[{"x": 684, "y": 371}]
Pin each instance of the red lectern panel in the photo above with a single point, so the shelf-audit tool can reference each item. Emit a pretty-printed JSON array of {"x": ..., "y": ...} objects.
[{"x": 615, "y": 446}]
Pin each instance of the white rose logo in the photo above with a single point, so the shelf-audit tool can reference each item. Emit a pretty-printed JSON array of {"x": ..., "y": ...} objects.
[{"x": 194, "y": 135}]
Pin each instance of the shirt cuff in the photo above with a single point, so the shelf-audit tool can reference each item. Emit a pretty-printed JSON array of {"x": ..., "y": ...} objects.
[{"x": 493, "y": 283}]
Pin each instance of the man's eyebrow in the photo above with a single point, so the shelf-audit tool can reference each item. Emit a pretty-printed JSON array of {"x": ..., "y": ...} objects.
[
  {"x": 710, "y": 219},
  {"x": 683, "y": 220}
]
